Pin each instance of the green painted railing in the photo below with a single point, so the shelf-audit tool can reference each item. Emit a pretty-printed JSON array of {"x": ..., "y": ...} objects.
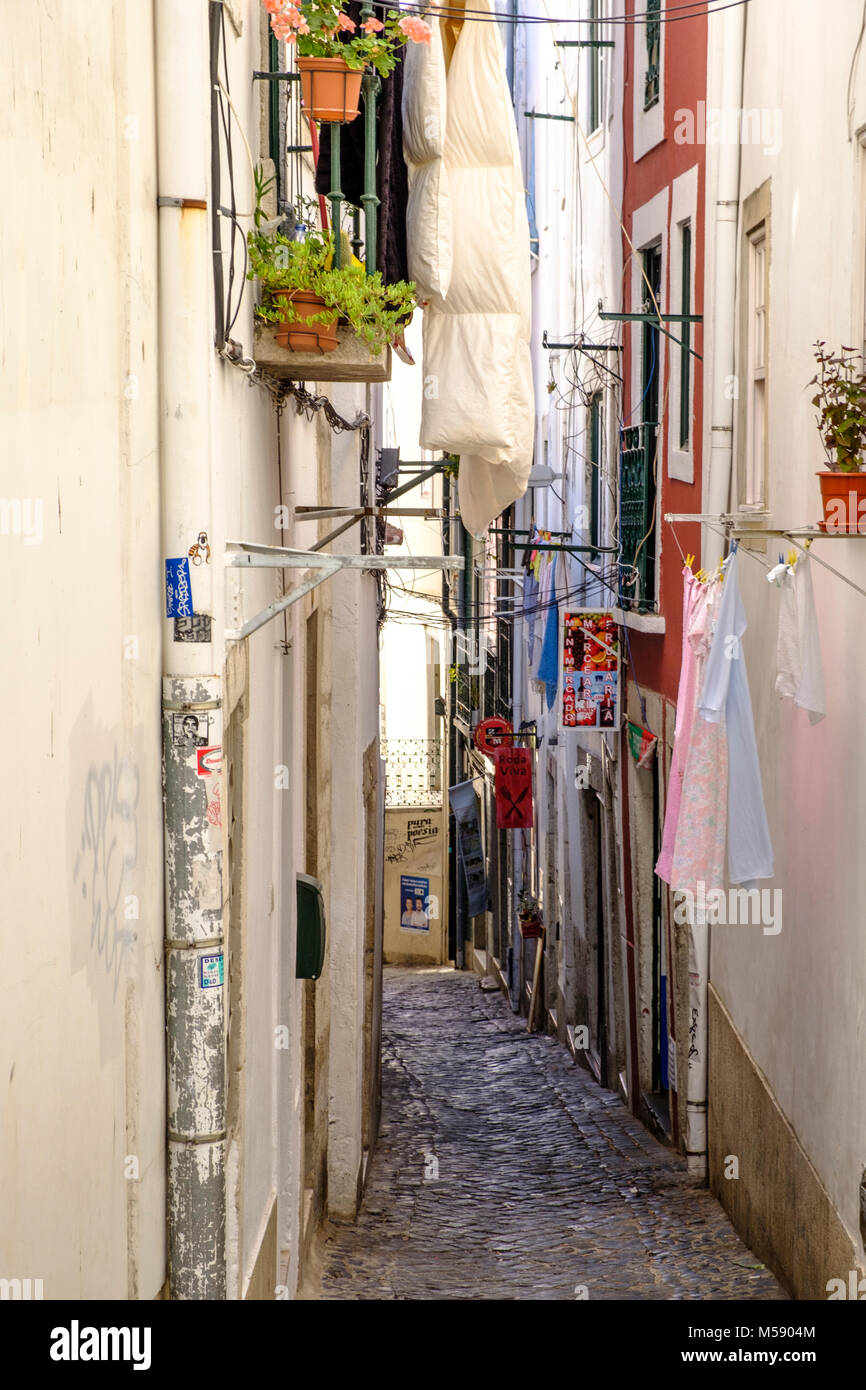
[{"x": 637, "y": 500}]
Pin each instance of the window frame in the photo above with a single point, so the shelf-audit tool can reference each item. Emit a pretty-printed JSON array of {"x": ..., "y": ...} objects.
[{"x": 753, "y": 382}]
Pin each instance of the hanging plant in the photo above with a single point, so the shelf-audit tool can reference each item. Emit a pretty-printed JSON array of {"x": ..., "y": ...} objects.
[
  {"x": 321, "y": 29},
  {"x": 291, "y": 270},
  {"x": 841, "y": 405}
]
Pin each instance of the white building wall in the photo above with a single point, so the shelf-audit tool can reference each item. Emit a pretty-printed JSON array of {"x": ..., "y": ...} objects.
[
  {"x": 796, "y": 998},
  {"x": 81, "y": 851},
  {"x": 82, "y": 1110}
]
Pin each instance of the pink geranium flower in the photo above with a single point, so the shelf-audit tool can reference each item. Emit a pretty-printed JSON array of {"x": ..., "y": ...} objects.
[
  {"x": 373, "y": 26},
  {"x": 415, "y": 29},
  {"x": 282, "y": 28},
  {"x": 344, "y": 22}
]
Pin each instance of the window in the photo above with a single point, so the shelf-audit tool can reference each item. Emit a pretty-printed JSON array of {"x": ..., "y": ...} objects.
[
  {"x": 756, "y": 360},
  {"x": 652, "y": 80},
  {"x": 685, "y": 335},
  {"x": 593, "y": 115},
  {"x": 652, "y": 265}
]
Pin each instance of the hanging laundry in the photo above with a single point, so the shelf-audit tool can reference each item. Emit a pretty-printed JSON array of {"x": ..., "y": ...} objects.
[
  {"x": 686, "y": 699},
  {"x": 530, "y": 612},
  {"x": 699, "y": 838},
  {"x": 725, "y": 700},
  {"x": 548, "y": 665},
  {"x": 478, "y": 396},
  {"x": 800, "y": 670}
]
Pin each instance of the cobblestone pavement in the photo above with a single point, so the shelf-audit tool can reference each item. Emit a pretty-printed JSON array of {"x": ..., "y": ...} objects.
[{"x": 504, "y": 1172}]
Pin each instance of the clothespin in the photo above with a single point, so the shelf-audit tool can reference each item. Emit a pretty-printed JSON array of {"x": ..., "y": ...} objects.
[
  {"x": 809, "y": 541},
  {"x": 792, "y": 558},
  {"x": 690, "y": 560}
]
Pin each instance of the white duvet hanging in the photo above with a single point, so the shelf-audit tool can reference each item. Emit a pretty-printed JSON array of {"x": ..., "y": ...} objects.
[{"x": 478, "y": 398}]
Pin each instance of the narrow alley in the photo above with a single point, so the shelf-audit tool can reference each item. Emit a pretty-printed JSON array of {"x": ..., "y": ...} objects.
[{"x": 504, "y": 1172}]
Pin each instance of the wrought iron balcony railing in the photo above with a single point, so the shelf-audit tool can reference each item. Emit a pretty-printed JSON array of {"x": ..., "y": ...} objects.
[
  {"x": 637, "y": 501},
  {"x": 413, "y": 771}
]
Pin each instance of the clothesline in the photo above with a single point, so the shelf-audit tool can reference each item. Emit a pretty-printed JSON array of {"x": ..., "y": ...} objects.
[{"x": 732, "y": 532}]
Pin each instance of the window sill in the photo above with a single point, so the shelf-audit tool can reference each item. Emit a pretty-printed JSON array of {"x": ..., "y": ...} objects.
[{"x": 653, "y": 623}]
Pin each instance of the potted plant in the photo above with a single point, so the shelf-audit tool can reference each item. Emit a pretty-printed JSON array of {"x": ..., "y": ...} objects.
[
  {"x": 841, "y": 405},
  {"x": 305, "y": 295},
  {"x": 333, "y": 50},
  {"x": 529, "y": 916}
]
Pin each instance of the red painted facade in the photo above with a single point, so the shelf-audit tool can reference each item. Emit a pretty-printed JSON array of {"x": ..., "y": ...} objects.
[{"x": 684, "y": 66}]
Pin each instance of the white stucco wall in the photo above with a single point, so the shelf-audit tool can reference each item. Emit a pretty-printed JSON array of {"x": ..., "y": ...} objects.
[
  {"x": 82, "y": 1017},
  {"x": 797, "y": 997}
]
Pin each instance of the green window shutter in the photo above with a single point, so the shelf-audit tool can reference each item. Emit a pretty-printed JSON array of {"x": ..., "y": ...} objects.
[
  {"x": 310, "y": 954},
  {"x": 685, "y": 338},
  {"x": 652, "y": 85},
  {"x": 637, "y": 499}
]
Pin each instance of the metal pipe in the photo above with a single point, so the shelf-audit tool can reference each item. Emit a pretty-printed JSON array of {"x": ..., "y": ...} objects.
[
  {"x": 191, "y": 704},
  {"x": 726, "y": 35},
  {"x": 336, "y": 194},
  {"x": 370, "y": 87}
]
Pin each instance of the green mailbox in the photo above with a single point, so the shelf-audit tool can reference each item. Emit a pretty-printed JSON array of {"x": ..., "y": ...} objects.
[{"x": 310, "y": 956}]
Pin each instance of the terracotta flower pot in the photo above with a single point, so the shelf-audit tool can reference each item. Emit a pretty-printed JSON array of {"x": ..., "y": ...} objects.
[
  {"x": 330, "y": 90},
  {"x": 844, "y": 499},
  {"x": 300, "y": 335},
  {"x": 530, "y": 927}
]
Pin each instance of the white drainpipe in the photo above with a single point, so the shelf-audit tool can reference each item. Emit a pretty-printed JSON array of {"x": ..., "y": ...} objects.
[
  {"x": 193, "y": 794},
  {"x": 726, "y": 43},
  {"x": 726, "y": 47}
]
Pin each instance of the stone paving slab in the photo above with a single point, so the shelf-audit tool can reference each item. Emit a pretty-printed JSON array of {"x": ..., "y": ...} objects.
[{"x": 503, "y": 1171}]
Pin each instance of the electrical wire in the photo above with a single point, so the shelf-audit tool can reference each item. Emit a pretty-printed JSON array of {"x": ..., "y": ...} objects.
[{"x": 664, "y": 15}]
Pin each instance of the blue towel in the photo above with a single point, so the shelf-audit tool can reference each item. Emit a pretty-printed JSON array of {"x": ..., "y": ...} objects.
[{"x": 548, "y": 666}]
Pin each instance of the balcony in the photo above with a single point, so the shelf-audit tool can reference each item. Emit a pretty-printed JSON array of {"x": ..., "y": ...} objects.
[{"x": 413, "y": 772}]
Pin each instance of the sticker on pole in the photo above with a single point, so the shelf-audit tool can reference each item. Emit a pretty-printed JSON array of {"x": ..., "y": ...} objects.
[
  {"x": 178, "y": 590},
  {"x": 211, "y": 971},
  {"x": 488, "y": 735}
]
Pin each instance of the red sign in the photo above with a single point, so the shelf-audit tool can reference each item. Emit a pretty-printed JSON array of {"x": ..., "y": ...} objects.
[
  {"x": 513, "y": 789},
  {"x": 486, "y": 735}
]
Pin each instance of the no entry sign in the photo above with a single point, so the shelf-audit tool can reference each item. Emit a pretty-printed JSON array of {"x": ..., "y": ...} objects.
[{"x": 514, "y": 789}]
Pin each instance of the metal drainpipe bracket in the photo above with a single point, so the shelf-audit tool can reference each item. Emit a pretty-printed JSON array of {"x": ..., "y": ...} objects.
[{"x": 248, "y": 555}]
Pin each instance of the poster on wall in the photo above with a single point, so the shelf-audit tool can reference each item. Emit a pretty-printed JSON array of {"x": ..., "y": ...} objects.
[
  {"x": 414, "y": 903},
  {"x": 589, "y": 670}
]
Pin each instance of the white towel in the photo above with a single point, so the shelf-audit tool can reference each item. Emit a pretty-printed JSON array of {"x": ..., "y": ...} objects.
[{"x": 800, "y": 670}]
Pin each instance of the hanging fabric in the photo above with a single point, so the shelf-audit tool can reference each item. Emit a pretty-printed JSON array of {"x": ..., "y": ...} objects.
[
  {"x": 800, "y": 669},
  {"x": 478, "y": 394},
  {"x": 686, "y": 699},
  {"x": 699, "y": 840},
  {"x": 725, "y": 700},
  {"x": 548, "y": 665}
]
